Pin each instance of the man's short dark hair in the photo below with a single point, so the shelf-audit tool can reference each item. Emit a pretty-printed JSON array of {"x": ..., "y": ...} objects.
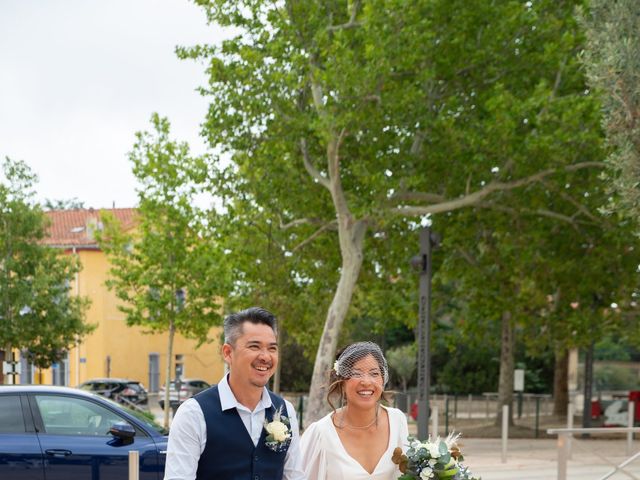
[{"x": 233, "y": 323}]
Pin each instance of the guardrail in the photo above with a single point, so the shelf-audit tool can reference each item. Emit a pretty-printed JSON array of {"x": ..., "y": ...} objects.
[
  {"x": 128, "y": 403},
  {"x": 564, "y": 445}
]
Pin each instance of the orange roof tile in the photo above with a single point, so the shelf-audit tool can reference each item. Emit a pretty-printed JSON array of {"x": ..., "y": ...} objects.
[{"x": 74, "y": 228}]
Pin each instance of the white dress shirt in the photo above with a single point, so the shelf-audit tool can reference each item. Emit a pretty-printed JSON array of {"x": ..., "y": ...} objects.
[{"x": 188, "y": 435}]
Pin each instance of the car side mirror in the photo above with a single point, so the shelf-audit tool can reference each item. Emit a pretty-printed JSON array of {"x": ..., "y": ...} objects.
[{"x": 123, "y": 431}]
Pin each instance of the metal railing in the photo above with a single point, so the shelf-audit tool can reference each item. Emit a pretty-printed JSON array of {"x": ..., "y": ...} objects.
[
  {"x": 564, "y": 447},
  {"x": 128, "y": 403}
]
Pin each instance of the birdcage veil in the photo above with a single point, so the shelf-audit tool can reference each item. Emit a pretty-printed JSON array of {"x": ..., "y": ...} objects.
[{"x": 352, "y": 354}]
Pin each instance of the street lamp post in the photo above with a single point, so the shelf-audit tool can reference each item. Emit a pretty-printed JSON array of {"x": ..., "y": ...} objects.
[{"x": 422, "y": 263}]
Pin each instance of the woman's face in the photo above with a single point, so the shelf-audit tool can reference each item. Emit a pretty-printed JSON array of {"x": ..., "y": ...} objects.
[{"x": 365, "y": 385}]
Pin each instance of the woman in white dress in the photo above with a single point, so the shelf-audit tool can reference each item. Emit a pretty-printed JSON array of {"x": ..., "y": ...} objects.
[{"x": 356, "y": 441}]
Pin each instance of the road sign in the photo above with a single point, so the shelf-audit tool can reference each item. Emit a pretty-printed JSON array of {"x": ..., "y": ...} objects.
[
  {"x": 11, "y": 368},
  {"x": 518, "y": 380}
]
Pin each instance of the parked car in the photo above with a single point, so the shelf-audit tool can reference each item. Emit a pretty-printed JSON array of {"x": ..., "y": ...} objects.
[
  {"x": 188, "y": 388},
  {"x": 117, "y": 389},
  {"x": 57, "y": 432}
]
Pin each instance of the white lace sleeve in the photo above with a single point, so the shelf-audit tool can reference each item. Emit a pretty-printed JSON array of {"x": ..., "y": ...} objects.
[{"x": 313, "y": 452}]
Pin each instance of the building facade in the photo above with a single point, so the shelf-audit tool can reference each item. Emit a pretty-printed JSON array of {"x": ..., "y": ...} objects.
[{"x": 113, "y": 349}]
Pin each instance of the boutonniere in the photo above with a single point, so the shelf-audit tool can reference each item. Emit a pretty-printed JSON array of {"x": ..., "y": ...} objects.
[{"x": 278, "y": 432}]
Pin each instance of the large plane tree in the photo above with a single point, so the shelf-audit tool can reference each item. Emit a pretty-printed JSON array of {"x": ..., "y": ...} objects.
[{"x": 348, "y": 120}]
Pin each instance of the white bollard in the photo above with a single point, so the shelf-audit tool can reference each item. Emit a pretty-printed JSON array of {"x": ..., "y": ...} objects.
[
  {"x": 562, "y": 456},
  {"x": 630, "y": 411},
  {"x": 134, "y": 465},
  {"x": 434, "y": 421},
  {"x": 505, "y": 431},
  {"x": 570, "y": 410}
]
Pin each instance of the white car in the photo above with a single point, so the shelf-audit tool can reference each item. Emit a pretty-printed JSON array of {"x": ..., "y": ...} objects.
[{"x": 188, "y": 387}]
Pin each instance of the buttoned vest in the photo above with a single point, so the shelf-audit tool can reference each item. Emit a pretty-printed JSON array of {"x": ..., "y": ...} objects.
[{"x": 229, "y": 453}]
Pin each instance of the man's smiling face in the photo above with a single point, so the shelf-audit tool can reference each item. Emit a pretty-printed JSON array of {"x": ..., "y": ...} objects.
[{"x": 254, "y": 357}]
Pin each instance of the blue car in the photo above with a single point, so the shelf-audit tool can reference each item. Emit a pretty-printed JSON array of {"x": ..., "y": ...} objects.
[{"x": 58, "y": 433}]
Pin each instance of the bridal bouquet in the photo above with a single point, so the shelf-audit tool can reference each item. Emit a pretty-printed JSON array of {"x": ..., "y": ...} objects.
[{"x": 432, "y": 460}]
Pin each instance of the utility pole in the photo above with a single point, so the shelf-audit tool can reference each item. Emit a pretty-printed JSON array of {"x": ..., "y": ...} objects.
[{"x": 422, "y": 263}]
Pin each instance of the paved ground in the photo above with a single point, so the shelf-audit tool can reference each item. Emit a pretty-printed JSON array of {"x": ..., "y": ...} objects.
[{"x": 537, "y": 459}]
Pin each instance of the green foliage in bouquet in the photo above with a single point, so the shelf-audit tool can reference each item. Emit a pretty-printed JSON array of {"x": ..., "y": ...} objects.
[{"x": 432, "y": 460}]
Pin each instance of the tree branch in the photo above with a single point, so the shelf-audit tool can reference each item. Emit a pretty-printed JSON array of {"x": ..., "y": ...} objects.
[
  {"x": 314, "y": 235},
  {"x": 373, "y": 97},
  {"x": 334, "y": 165},
  {"x": 584, "y": 210},
  {"x": 476, "y": 197},
  {"x": 311, "y": 170},
  {"x": 579, "y": 166},
  {"x": 555, "y": 215},
  {"x": 352, "y": 23},
  {"x": 299, "y": 221},
  {"x": 417, "y": 197},
  {"x": 335, "y": 182},
  {"x": 539, "y": 212},
  {"x": 433, "y": 94},
  {"x": 467, "y": 256},
  {"x": 316, "y": 90},
  {"x": 266, "y": 234},
  {"x": 344, "y": 26}
]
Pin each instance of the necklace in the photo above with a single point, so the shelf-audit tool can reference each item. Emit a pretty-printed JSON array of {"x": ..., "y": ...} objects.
[{"x": 343, "y": 423}]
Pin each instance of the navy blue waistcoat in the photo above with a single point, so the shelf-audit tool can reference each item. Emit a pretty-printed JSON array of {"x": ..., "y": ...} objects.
[{"x": 229, "y": 453}]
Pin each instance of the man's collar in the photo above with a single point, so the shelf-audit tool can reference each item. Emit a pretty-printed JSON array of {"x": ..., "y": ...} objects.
[{"x": 228, "y": 399}]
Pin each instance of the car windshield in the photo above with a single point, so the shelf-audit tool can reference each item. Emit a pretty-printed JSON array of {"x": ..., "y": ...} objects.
[{"x": 144, "y": 417}]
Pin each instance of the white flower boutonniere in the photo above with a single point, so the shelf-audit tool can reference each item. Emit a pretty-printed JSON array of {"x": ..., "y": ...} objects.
[{"x": 278, "y": 432}]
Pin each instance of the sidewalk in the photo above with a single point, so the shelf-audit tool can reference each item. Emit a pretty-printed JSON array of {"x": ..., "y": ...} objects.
[{"x": 529, "y": 459}]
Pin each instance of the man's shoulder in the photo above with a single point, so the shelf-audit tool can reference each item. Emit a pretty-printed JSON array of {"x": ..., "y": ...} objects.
[
  {"x": 206, "y": 397},
  {"x": 209, "y": 390},
  {"x": 190, "y": 409},
  {"x": 206, "y": 392}
]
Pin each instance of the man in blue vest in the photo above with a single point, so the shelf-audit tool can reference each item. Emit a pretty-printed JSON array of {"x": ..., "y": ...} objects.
[{"x": 238, "y": 429}]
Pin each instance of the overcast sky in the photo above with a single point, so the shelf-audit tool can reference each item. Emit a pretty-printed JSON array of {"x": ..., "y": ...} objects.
[{"x": 79, "y": 77}]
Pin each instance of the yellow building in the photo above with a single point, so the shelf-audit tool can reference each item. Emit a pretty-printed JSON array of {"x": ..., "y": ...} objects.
[{"x": 113, "y": 349}]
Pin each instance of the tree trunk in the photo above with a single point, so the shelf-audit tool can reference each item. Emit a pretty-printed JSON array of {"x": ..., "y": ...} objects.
[
  {"x": 167, "y": 398},
  {"x": 351, "y": 242},
  {"x": 507, "y": 364},
  {"x": 588, "y": 388},
  {"x": 275, "y": 381},
  {"x": 561, "y": 382}
]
